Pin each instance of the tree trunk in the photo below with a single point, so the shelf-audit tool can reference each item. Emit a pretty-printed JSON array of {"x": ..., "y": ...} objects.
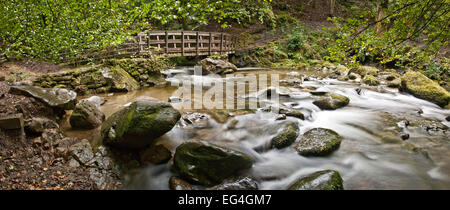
[
  {"x": 382, "y": 5},
  {"x": 332, "y": 5}
]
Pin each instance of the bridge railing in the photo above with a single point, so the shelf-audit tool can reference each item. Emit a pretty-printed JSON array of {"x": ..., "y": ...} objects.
[{"x": 185, "y": 43}]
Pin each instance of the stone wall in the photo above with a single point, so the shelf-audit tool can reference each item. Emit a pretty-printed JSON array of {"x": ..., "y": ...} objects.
[{"x": 116, "y": 75}]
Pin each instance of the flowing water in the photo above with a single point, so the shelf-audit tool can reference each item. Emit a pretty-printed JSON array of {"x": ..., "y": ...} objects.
[{"x": 371, "y": 155}]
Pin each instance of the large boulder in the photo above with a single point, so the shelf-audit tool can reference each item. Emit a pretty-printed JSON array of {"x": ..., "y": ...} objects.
[
  {"x": 318, "y": 142},
  {"x": 331, "y": 101},
  {"x": 137, "y": 125},
  {"x": 286, "y": 137},
  {"x": 422, "y": 87},
  {"x": 321, "y": 180},
  {"x": 119, "y": 79},
  {"x": 86, "y": 115},
  {"x": 58, "y": 98},
  {"x": 207, "y": 163},
  {"x": 213, "y": 66}
]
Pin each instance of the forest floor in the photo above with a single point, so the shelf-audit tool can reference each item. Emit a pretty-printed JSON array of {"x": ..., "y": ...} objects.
[{"x": 24, "y": 164}]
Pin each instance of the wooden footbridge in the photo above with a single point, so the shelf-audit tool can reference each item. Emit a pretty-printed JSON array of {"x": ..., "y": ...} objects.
[
  {"x": 164, "y": 43},
  {"x": 185, "y": 43}
]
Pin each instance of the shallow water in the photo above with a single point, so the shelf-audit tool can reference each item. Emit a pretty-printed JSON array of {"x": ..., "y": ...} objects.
[{"x": 371, "y": 156}]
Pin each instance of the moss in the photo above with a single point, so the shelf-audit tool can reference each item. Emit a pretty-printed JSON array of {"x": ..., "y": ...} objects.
[
  {"x": 422, "y": 87},
  {"x": 394, "y": 83},
  {"x": 209, "y": 164},
  {"x": 286, "y": 137},
  {"x": 370, "y": 80},
  {"x": 318, "y": 142},
  {"x": 321, "y": 180},
  {"x": 364, "y": 70},
  {"x": 344, "y": 100}
]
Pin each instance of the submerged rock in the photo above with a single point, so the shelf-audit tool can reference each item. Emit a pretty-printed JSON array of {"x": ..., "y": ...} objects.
[
  {"x": 318, "y": 142},
  {"x": 157, "y": 154},
  {"x": 58, "y": 98},
  {"x": 209, "y": 164},
  {"x": 137, "y": 125},
  {"x": 422, "y": 87},
  {"x": 240, "y": 183},
  {"x": 332, "y": 102},
  {"x": 176, "y": 183},
  {"x": 286, "y": 137},
  {"x": 86, "y": 115},
  {"x": 321, "y": 180},
  {"x": 213, "y": 66}
]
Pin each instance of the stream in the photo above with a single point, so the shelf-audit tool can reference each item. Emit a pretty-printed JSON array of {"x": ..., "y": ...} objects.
[{"x": 371, "y": 155}]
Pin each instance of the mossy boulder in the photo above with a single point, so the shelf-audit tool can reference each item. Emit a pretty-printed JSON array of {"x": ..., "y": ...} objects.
[
  {"x": 422, "y": 87},
  {"x": 318, "y": 142},
  {"x": 370, "y": 80},
  {"x": 331, "y": 101},
  {"x": 137, "y": 125},
  {"x": 366, "y": 70},
  {"x": 207, "y": 163},
  {"x": 86, "y": 115},
  {"x": 286, "y": 137},
  {"x": 321, "y": 180},
  {"x": 119, "y": 79}
]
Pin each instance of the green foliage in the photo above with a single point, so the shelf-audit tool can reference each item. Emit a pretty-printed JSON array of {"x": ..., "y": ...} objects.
[
  {"x": 391, "y": 40},
  {"x": 59, "y": 31},
  {"x": 433, "y": 71}
]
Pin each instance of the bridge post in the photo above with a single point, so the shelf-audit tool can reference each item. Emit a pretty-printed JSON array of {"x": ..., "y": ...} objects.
[
  {"x": 210, "y": 41},
  {"x": 196, "y": 45},
  {"x": 167, "y": 42},
  {"x": 182, "y": 43}
]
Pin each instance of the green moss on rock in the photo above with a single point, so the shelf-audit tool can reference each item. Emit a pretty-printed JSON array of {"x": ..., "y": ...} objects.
[
  {"x": 209, "y": 164},
  {"x": 286, "y": 137},
  {"x": 318, "y": 142},
  {"x": 422, "y": 87},
  {"x": 370, "y": 80},
  {"x": 321, "y": 180},
  {"x": 137, "y": 125}
]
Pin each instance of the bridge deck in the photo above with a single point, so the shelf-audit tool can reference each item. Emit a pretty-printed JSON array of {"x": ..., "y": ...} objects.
[{"x": 185, "y": 43}]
